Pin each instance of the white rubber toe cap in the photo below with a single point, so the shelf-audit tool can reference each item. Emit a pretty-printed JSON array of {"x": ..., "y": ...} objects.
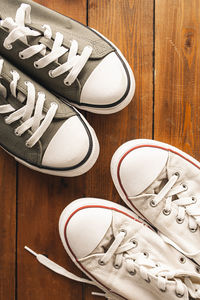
[
  {"x": 86, "y": 228},
  {"x": 107, "y": 83},
  {"x": 69, "y": 145},
  {"x": 140, "y": 167}
]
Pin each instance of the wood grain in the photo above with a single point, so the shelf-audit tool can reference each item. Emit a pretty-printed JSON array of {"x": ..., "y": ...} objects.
[
  {"x": 177, "y": 73},
  {"x": 129, "y": 25},
  {"x": 7, "y": 226}
]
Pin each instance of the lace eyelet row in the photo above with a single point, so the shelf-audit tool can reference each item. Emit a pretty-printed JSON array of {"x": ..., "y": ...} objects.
[
  {"x": 182, "y": 260},
  {"x": 67, "y": 83}
]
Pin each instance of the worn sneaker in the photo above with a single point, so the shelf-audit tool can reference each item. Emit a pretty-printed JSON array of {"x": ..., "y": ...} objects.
[
  {"x": 121, "y": 255},
  {"x": 162, "y": 184},
  {"x": 40, "y": 131},
  {"x": 72, "y": 60}
]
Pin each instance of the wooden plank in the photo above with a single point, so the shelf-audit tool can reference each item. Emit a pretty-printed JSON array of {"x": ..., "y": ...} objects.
[
  {"x": 177, "y": 73},
  {"x": 129, "y": 25},
  {"x": 7, "y": 225},
  {"x": 41, "y": 200}
]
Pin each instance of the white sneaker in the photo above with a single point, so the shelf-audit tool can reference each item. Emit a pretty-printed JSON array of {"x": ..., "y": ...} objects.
[
  {"x": 121, "y": 255},
  {"x": 162, "y": 184}
]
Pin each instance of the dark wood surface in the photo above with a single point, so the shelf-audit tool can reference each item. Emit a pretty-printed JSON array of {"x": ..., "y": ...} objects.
[{"x": 161, "y": 41}]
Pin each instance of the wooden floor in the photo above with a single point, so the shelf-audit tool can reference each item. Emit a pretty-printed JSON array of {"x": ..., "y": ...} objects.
[{"x": 161, "y": 41}]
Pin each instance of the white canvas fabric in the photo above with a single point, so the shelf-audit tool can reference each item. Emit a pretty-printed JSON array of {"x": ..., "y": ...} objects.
[
  {"x": 129, "y": 261},
  {"x": 161, "y": 183}
]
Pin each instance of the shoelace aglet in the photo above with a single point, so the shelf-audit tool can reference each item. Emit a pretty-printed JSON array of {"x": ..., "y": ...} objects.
[{"x": 31, "y": 251}]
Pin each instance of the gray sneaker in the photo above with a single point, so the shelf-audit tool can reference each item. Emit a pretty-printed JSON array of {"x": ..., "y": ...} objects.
[
  {"x": 72, "y": 60},
  {"x": 39, "y": 130}
]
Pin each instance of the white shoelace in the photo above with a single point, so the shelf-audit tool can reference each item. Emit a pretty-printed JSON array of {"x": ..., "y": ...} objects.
[
  {"x": 18, "y": 30},
  {"x": 33, "y": 107},
  {"x": 185, "y": 205},
  {"x": 135, "y": 262}
]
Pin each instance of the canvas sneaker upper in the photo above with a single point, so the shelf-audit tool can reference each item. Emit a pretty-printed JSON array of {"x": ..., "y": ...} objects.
[
  {"x": 161, "y": 183},
  {"x": 39, "y": 130},
  {"x": 122, "y": 255},
  {"x": 72, "y": 60}
]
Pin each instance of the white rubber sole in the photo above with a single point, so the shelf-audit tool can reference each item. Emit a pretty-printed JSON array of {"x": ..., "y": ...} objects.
[
  {"x": 71, "y": 209},
  {"x": 126, "y": 147},
  {"x": 85, "y": 167},
  {"x": 126, "y": 101}
]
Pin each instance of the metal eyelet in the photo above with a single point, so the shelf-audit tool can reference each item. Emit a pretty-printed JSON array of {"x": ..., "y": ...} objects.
[
  {"x": 146, "y": 254},
  {"x": 124, "y": 231},
  {"x": 163, "y": 291},
  {"x": 16, "y": 132},
  {"x": 26, "y": 82},
  {"x": 101, "y": 263},
  {"x": 66, "y": 83},
  {"x": 184, "y": 186},
  {"x": 197, "y": 269},
  {"x": 134, "y": 242},
  {"x": 27, "y": 145},
  {"x": 36, "y": 65},
  {"x": 21, "y": 55},
  {"x": 194, "y": 200},
  {"x": 193, "y": 229},
  {"x": 182, "y": 259},
  {"x": 179, "y": 295},
  {"x": 157, "y": 265},
  {"x": 179, "y": 220},
  {"x": 152, "y": 203},
  {"x": 51, "y": 74},
  {"x": 148, "y": 280},
  {"x": 166, "y": 212},
  {"x": 177, "y": 174},
  {"x": 132, "y": 273},
  {"x": 116, "y": 266},
  {"x": 8, "y": 46}
]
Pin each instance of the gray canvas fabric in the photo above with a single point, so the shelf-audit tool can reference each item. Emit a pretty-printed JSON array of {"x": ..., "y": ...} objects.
[
  {"x": 15, "y": 145},
  {"x": 70, "y": 29}
]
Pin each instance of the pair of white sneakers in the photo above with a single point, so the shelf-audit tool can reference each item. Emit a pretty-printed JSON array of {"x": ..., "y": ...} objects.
[{"x": 151, "y": 251}]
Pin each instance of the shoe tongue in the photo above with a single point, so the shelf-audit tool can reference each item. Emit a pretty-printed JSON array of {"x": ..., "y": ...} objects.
[
  {"x": 119, "y": 221},
  {"x": 106, "y": 242},
  {"x": 158, "y": 184}
]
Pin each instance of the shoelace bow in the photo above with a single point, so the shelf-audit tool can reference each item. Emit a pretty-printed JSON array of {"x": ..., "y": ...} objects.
[
  {"x": 18, "y": 30},
  {"x": 185, "y": 205},
  {"x": 135, "y": 262},
  {"x": 25, "y": 113}
]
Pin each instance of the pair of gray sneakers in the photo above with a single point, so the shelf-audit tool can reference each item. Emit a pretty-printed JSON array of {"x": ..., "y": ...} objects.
[{"x": 50, "y": 64}]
